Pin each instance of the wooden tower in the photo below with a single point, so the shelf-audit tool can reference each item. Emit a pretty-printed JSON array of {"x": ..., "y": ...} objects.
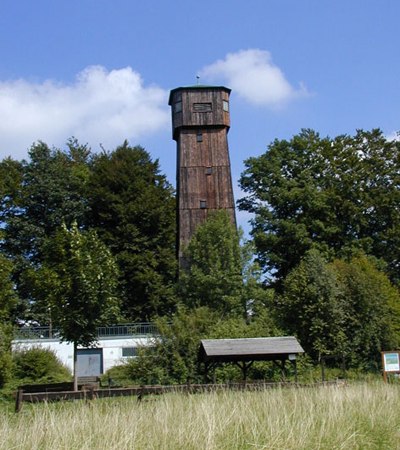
[{"x": 200, "y": 124}]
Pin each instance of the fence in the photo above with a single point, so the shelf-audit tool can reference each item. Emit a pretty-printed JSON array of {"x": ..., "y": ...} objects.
[
  {"x": 90, "y": 392},
  {"x": 132, "y": 329}
]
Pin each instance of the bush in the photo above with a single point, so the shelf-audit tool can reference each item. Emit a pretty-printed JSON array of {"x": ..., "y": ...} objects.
[
  {"x": 5, "y": 368},
  {"x": 39, "y": 365},
  {"x": 117, "y": 376},
  {"x": 5, "y": 354}
]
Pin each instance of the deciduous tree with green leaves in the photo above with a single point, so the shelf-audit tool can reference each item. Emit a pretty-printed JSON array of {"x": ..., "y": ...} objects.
[
  {"x": 37, "y": 196},
  {"x": 336, "y": 195},
  {"x": 347, "y": 308},
  {"x": 310, "y": 306},
  {"x": 214, "y": 273},
  {"x": 78, "y": 282},
  {"x": 132, "y": 207},
  {"x": 372, "y": 310}
]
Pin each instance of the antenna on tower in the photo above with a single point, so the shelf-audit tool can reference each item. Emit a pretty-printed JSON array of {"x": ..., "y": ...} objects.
[{"x": 197, "y": 78}]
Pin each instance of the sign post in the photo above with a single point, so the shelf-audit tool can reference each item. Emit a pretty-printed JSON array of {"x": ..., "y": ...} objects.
[{"x": 390, "y": 363}]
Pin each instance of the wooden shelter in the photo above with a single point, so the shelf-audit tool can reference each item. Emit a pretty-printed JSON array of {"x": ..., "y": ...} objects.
[
  {"x": 200, "y": 125},
  {"x": 243, "y": 352}
]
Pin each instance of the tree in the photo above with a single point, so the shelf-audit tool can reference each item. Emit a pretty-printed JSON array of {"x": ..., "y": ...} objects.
[
  {"x": 347, "y": 308},
  {"x": 37, "y": 196},
  {"x": 51, "y": 191},
  {"x": 336, "y": 195},
  {"x": 132, "y": 207},
  {"x": 78, "y": 283},
  {"x": 10, "y": 184},
  {"x": 213, "y": 276},
  {"x": 8, "y": 298},
  {"x": 372, "y": 310},
  {"x": 310, "y": 306}
]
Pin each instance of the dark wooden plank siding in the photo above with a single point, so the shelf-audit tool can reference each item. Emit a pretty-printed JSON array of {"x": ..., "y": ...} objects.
[
  {"x": 196, "y": 185},
  {"x": 188, "y": 116},
  {"x": 212, "y": 151},
  {"x": 204, "y": 183}
]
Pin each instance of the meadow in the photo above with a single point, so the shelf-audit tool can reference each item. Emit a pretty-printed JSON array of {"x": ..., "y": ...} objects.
[{"x": 357, "y": 416}]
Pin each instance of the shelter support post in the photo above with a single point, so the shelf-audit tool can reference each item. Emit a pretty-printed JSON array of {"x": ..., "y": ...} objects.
[
  {"x": 244, "y": 367},
  {"x": 207, "y": 367},
  {"x": 294, "y": 363},
  {"x": 281, "y": 365}
]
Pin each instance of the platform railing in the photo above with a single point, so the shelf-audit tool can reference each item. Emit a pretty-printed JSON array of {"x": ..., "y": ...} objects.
[{"x": 114, "y": 331}]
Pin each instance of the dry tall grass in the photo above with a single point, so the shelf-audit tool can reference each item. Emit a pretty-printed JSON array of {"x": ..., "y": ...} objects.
[{"x": 363, "y": 416}]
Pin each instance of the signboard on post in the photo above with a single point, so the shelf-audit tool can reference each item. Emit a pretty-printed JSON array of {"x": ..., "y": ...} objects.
[{"x": 390, "y": 363}]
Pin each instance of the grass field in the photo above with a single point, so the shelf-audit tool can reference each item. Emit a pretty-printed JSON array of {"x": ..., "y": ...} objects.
[{"x": 358, "y": 416}]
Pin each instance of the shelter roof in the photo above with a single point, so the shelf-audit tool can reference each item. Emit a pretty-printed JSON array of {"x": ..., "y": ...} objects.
[{"x": 249, "y": 349}]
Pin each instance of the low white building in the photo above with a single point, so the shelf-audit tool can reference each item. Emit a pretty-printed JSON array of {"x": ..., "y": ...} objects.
[{"x": 114, "y": 346}]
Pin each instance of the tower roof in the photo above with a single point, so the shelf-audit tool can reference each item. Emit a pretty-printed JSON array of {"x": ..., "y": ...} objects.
[{"x": 195, "y": 88}]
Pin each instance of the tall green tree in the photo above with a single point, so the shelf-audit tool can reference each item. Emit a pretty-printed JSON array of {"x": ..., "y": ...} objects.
[
  {"x": 335, "y": 195},
  {"x": 8, "y": 297},
  {"x": 37, "y": 196},
  {"x": 347, "y": 308},
  {"x": 8, "y": 301},
  {"x": 11, "y": 173},
  {"x": 372, "y": 310},
  {"x": 132, "y": 207},
  {"x": 51, "y": 191},
  {"x": 78, "y": 282},
  {"x": 214, "y": 273},
  {"x": 310, "y": 306}
]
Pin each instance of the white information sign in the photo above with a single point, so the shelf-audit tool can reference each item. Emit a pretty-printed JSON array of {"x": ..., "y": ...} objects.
[{"x": 391, "y": 362}]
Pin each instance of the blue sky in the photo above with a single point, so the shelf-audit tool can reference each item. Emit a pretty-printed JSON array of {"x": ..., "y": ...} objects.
[{"x": 101, "y": 70}]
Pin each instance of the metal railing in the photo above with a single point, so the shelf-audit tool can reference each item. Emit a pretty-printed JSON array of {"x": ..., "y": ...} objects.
[{"x": 132, "y": 329}]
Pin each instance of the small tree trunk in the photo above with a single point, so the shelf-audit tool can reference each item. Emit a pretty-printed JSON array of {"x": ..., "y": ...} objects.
[{"x": 75, "y": 367}]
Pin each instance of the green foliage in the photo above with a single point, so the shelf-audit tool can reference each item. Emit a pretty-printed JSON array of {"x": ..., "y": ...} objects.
[
  {"x": 345, "y": 308},
  {"x": 310, "y": 305},
  {"x": 335, "y": 195},
  {"x": 213, "y": 277},
  {"x": 372, "y": 306},
  {"x": 51, "y": 191},
  {"x": 39, "y": 195},
  {"x": 10, "y": 182},
  {"x": 173, "y": 357},
  {"x": 8, "y": 298},
  {"x": 78, "y": 283},
  {"x": 117, "y": 376},
  {"x": 5, "y": 354},
  {"x": 121, "y": 194},
  {"x": 38, "y": 365},
  {"x": 132, "y": 207}
]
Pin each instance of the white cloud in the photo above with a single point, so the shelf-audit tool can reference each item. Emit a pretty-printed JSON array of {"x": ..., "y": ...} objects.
[
  {"x": 252, "y": 75},
  {"x": 394, "y": 136},
  {"x": 99, "y": 107}
]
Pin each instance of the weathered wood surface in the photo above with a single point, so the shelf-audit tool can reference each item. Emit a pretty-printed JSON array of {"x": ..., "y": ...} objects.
[
  {"x": 196, "y": 185},
  {"x": 267, "y": 348},
  {"x": 189, "y": 116},
  {"x": 49, "y": 387},
  {"x": 141, "y": 391},
  {"x": 204, "y": 183},
  {"x": 211, "y": 151}
]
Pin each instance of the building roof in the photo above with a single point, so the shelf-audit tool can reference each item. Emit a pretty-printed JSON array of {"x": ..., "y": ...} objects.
[
  {"x": 249, "y": 349},
  {"x": 196, "y": 87}
]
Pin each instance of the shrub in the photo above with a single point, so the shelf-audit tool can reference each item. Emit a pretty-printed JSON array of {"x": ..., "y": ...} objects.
[
  {"x": 5, "y": 368},
  {"x": 5, "y": 354},
  {"x": 39, "y": 365}
]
